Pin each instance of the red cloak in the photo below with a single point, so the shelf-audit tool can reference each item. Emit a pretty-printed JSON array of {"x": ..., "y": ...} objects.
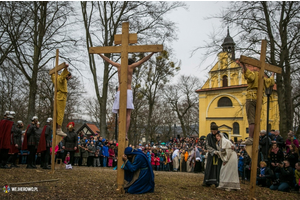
[
  {"x": 42, "y": 142},
  {"x": 24, "y": 145},
  {"x": 5, "y": 127}
]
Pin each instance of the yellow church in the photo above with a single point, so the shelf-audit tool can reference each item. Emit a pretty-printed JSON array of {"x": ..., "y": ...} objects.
[{"x": 222, "y": 98}]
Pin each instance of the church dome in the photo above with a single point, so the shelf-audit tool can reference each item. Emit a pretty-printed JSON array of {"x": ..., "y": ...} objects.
[{"x": 228, "y": 40}]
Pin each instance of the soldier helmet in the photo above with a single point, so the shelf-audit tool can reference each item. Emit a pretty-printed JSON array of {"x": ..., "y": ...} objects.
[
  {"x": 49, "y": 120},
  {"x": 6, "y": 113},
  {"x": 19, "y": 122},
  {"x": 34, "y": 117},
  {"x": 11, "y": 114}
]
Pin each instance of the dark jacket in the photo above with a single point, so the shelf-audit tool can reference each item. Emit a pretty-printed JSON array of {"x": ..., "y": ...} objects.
[
  {"x": 31, "y": 135},
  {"x": 279, "y": 140},
  {"x": 92, "y": 150},
  {"x": 292, "y": 158},
  {"x": 18, "y": 137},
  {"x": 70, "y": 141},
  {"x": 286, "y": 174},
  {"x": 277, "y": 158},
  {"x": 48, "y": 135},
  {"x": 263, "y": 144}
]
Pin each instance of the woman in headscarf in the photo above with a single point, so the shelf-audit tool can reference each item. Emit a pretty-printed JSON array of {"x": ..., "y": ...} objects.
[
  {"x": 175, "y": 158},
  {"x": 229, "y": 177}
]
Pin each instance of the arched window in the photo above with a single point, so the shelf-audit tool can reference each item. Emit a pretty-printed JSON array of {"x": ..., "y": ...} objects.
[
  {"x": 224, "y": 102},
  {"x": 236, "y": 128},
  {"x": 225, "y": 81}
]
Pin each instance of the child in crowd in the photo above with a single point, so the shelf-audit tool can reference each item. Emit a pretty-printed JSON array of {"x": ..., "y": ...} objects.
[
  {"x": 157, "y": 163},
  {"x": 153, "y": 161},
  {"x": 96, "y": 159},
  {"x": 77, "y": 154},
  {"x": 67, "y": 159},
  {"x": 111, "y": 153}
]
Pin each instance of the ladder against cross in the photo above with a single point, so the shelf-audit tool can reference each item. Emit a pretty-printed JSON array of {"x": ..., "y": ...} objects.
[
  {"x": 124, "y": 40},
  {"x": 254, "y": 148},
  {"x": 55, "y": 138}
]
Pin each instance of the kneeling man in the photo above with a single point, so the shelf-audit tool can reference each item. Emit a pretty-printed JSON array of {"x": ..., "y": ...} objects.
[{"x": 139, "y": 175}]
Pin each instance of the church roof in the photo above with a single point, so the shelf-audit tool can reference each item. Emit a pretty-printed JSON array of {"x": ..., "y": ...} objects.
[{"x": 228, "y": 40}]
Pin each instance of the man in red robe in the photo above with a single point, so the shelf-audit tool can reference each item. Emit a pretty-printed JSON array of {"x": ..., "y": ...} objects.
[
  {"x": 6, "y": 128},
  {"x": 45, "y": 144}
]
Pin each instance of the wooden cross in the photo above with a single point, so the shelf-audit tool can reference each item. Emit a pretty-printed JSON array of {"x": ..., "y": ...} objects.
[
  {"x": 262, "y": 65},
  {"x": 124, "y": 39},
  {"x": 54, "y": 71}
]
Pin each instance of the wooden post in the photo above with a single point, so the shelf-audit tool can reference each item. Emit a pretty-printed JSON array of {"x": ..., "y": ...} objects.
[
  {"x": 123, "y": 105},
  {"x": 124, "y": 49},
  {"x": 257, "y": 120},
  {"x": 262, "y": 65},
  {"x": 54, "y": 116}
]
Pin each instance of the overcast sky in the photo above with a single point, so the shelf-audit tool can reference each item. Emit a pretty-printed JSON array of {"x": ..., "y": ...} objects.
[{"x": 194, "y": 30}]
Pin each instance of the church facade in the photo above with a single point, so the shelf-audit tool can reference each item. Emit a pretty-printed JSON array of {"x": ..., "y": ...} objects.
[{"x": 222, "y": 98}]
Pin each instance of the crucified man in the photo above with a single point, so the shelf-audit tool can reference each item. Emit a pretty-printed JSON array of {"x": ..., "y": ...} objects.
[
  {"x": 251, "y": 96},
  {"x": 131, "y": 66}
]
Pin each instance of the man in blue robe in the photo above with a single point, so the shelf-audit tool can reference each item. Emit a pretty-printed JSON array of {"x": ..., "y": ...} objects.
[{"x": 139, "y": 175}]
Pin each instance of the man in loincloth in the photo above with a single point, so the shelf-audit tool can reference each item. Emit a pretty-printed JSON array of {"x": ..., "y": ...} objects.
[
  {"x": 131, "y": 66},
  {"x": 251, "y": 96}
]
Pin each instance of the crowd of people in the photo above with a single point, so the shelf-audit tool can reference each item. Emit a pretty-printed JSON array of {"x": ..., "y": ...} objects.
[{"x": 279, "y": 166}]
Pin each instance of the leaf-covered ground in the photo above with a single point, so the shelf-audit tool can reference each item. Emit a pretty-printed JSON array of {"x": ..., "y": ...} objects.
[{"x": 100, "y": 183}]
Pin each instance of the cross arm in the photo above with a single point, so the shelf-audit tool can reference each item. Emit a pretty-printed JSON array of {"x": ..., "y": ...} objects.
[
  {"x": 257, "y": 63},
  {"x": 145, "y": 48},
  {"x": 59, "y": 67},
  {"x": 107, "y": 49}
]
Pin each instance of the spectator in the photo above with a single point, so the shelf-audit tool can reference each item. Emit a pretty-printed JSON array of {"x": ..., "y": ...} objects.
[
  {"x": 105, "y": 153},
  {"x": 153, "y": 161},
  {"x": 77, "y": 155},
  {"x": 85, "y": 154},
  {"x": 67, "y": 159},
  {"x": 157, "y": 163},
  {"x": 293, "y": 155},
  {"x": 96, "y": 159},
  {"x": 291, "y": 140},
  {"x": 276, "y": 156},
  {"x": 286, "y": 177},
  {"x": 276, "y": 138},
  {"x": 264, "y": 175},
  {"x": 111, "y": 153},
  {"x": 263, "y": 147},
  {"x": 91, "y": 149}
]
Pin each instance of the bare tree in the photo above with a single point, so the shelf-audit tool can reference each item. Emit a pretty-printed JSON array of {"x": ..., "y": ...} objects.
[{"x": 183, "y": 100}]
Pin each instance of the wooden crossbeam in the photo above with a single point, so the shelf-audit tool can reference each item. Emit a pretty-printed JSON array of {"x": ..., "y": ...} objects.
[
  {"x": 58, "y": 68},
  {"x": 131, "y": 40},
  {"x": 257, "y": 63},
  {"x": 145, "y": 48},
  {"x": 130, "y": 49}
]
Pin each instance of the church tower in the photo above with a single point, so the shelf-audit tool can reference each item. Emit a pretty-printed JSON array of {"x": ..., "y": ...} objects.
[{"x": 229, "y": 45}]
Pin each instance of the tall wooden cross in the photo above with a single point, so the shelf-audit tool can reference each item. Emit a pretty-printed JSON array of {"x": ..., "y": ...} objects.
[
  {"x": 124, "y": 39},
  {"x": 55, "y": 137},
  {"x": 263, "y": 66}
]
